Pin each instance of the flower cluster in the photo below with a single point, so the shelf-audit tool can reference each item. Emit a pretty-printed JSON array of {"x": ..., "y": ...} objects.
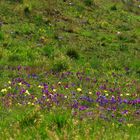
[{"x": 114, "y": 98}]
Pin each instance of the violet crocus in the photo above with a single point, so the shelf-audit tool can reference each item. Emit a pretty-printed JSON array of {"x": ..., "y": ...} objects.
[
  {"x": 81, "y": 108},
  {"x": 98, "y": 93},
  {"x": 22, "y": 91},
  {"x": 113, "y": 100},
  {"x": 103, "y": 87},
  {"x": 124, "y": 112},
  {"x": 137, "y": 112}
]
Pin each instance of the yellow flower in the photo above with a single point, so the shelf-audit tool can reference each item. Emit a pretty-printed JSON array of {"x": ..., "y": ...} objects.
[
  {"x": 9, "y": 82},
  {"x": 9, "y": 87},
  {"x": 106, "y": 94},
  {"x": 59, "y": 83},
  {"x": 19, "y": 104},
  {"x": 66, "y": 96},
  {"x": 79, "y": 89},
  {"x": 27, "y": 92},
  {"x": 121, "y": 94},
  {"x": 35, "y": 98},
  {"x": 127, "y": 94},
  {"x": 29, "y": 103},
  {"x": 130, "y": 124},
  {"x": 90, "y": 93},
  {"x": 4, "y": 90},
  {"x": 97, "y": 105},
  {"x": 20, "y": 84},
  {"x": 105, "y": 91},
  {"x": 40, "y": 86},
  {"x": 54, "y": 90}
]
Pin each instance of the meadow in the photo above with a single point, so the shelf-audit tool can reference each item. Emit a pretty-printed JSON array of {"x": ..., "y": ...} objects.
[{"x": 69, "y": 70}]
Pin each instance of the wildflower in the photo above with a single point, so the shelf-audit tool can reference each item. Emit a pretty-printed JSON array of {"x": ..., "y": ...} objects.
[
  {"x": 4, "y": 90},
  {"x": 127, "y": 94},
  {"x": 9, "y": 82},
  {"x": 19, "y": 104},
  {"x": 27, "y": 92},
  {"x": 125, "y": 112},
  {"x": 79, "y": 89},
  {"x": 48, "y": 100},
  {"x": 118, "y": 33},
  {"x": 59, "y": 83},
  {"x": 82, "y": 108},
  {"x": 90, "y": 93},
  {"x": 40, "y": 86},
  {"x": 105, "y": 91},
  {"x": 106, "y": 94},
  {"x": 9, "y": 87},
  {"x": 98, "y": 93},
  {"x": 121, "y": 94},
  {"x": 20, "y": 84},
  {"x": 129, "y": 124},
  {"x": 35, "y": 98},
  {"x": 54, "y": 90},
  {"x": 29, "y": 103},
  {"x": 66, "y": 96},
  {"x": 97, "y": 105}
]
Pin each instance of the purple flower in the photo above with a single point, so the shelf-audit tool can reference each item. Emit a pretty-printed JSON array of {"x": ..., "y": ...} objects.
[
  {"x": 98, "y": 93},
  {"x": 125, "y": 101},
  {"x": 112, "y": 115},
  {"x": 102, "y": 100},
  {"x": 124, "y": 112},
  {"x": 138, "y": 112},
  {"x": 19, "y": 68},
  {"x": 82, "y": 108},
  {"x": 113, "y": 100},
  {"x": 126, "y": 69},
  {"x": 87, "y": 79},
  {"x": 22, "y": 91},
  {"x": 103, "y": 87}
]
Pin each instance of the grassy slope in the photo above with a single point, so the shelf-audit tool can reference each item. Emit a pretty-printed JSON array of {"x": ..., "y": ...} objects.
[
  {"x": 50, "y": 29},
  {"x": 38, "y": 33}
]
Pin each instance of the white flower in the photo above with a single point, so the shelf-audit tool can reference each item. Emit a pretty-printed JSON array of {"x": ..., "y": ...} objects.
[
  {"x": 59, "y": 83},
  {"x": 118, "y": 33}
]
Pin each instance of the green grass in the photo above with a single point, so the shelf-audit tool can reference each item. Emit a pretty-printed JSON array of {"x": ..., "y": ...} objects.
[{"x": 98, "y": 37}]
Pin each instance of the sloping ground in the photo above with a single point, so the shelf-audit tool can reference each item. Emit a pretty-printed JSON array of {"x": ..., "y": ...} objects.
[
  {"x": 105, "y": 35},
  {"x": 69, "y": 70}
]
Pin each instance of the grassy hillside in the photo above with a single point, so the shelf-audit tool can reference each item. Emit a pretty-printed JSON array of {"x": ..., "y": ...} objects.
[{"x": 70, "y": 69}]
